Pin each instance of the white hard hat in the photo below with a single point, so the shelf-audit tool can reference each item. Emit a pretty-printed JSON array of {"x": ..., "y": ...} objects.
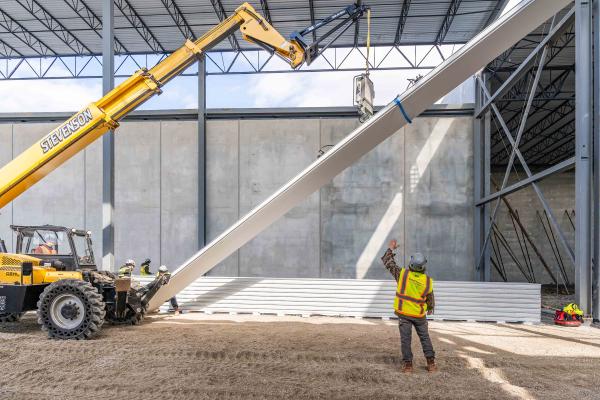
[
  {"x": 163, "y": 268},
  {"x": 130, "y": 262}
]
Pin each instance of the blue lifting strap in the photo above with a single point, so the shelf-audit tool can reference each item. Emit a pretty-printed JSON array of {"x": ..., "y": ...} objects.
[{"x": 402, "y": 110}]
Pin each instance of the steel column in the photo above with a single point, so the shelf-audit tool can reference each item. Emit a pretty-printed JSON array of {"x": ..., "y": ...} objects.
[
  {"x": 583, "y": 164},
  {"x": 487, "y": 188},
  {"x": 481, "y": 175},
  {"x": 478, "y": 217},
  {"x": 201, "y": 152},
  {"x": 596, "y": 183},
  {"x": 108, "y": 140}
]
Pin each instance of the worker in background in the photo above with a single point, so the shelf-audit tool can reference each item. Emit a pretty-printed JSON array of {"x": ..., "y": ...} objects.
[
  {"x": 145, "y": 267},
  {"x": 161, "y": 271},
  {"x": 127, "y": 269},
  {"x": 414, "y": 298}
]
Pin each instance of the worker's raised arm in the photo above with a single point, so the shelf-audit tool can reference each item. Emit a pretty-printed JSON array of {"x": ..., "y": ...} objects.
[{"x": 389, "y": 262}]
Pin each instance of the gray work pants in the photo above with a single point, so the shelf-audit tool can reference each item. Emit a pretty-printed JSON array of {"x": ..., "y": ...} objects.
[{"x": 405, "y": 325}]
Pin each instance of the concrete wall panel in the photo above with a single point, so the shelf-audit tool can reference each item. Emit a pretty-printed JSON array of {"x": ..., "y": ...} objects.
[
  {"x": 137, "y": 192},
  {"x": 415, "y": 187},
  {"x": 93, "y": 196},
  {"x": 6, "y": 148},
  {"x": 179, "y": 191},
  {"x": 439, "y": 195},
  {"x": 362, "y": 209},
  {"x": 59, "y": 197},
  {"x": 272, "y": 152},
  {"x": 222, "y": 186}
]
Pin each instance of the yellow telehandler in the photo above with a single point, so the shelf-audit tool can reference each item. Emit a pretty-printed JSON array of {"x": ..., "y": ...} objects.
[{"x": 52, "y": 269}]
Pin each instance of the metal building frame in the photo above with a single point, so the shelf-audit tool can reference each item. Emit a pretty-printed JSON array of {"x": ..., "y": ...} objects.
[{"x": 559, "y": 139}]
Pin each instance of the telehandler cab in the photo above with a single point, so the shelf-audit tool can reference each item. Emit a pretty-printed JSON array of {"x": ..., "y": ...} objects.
[{"x": 53, "y": 270}]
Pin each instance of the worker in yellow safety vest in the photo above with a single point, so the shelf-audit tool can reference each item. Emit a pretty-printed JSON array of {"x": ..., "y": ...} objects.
[
  {"x": 145, "y": 268},
  {"x": 414, "y": 298},
  {"x": 127, "y": 269}
]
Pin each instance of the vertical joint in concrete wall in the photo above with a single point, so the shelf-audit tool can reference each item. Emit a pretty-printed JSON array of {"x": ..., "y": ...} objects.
[
  {"x": 108, "y": 144},
  {"x": 201, "y": 152},
  {"x": 583, "y": 162}
]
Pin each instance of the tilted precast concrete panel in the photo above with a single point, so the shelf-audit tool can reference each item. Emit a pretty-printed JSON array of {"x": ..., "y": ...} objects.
[
  {"x": 272, "y": 152},
  {"x": 137, "y": 192},
  {"x": 474, "y": 55},
  {"x": 222, "y": 186},
  {"x": 178, "y": 191}
]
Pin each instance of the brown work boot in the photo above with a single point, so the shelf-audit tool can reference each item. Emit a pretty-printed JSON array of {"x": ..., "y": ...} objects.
[
  {"x": 407, "y": 367},
  {"x": 431, "y": 367}
]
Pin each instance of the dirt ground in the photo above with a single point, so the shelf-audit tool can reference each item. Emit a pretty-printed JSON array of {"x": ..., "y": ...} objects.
[{"x": 196, "y": 356}]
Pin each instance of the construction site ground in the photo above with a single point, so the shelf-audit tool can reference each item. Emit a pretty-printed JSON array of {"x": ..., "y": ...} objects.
[{"x": 197, "y": 356}]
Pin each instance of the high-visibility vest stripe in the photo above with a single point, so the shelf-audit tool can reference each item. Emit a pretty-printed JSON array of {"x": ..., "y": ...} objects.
[
  {"x": 405, "y": 297},
  {"x": 427, "y": 286},
  {"x": 403, "y": 279}
]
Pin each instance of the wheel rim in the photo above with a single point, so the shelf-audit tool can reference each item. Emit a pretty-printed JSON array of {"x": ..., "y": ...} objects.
[{"x": 67, "y": 311}]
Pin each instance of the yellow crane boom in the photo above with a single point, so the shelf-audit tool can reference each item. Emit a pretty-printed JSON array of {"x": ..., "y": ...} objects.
[{"x": 97, "y": 118}]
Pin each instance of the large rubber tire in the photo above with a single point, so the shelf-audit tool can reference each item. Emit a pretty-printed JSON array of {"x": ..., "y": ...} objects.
[
  {"x": 71, "y": 309},
  {"x": 11, "y": 317}
]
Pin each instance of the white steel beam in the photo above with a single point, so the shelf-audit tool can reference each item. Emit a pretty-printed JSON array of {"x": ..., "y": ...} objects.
[{"x": 482, "y": 49}]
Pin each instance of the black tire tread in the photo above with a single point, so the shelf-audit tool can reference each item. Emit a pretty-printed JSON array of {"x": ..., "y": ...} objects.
[{"x": 94, "y": 308}]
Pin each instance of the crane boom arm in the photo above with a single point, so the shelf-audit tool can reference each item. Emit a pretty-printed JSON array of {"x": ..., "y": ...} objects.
[{"x": 97, "y": 118}]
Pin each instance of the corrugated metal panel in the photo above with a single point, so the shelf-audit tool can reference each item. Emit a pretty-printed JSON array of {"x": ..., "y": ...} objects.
[{"x": 478, "y": 301}]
